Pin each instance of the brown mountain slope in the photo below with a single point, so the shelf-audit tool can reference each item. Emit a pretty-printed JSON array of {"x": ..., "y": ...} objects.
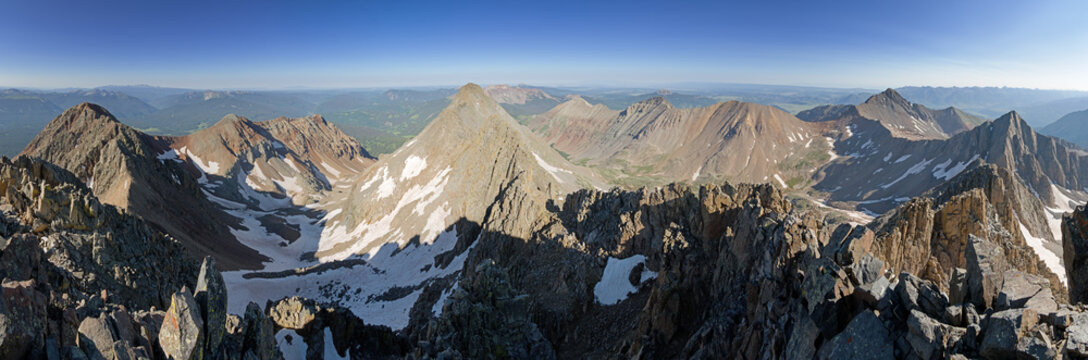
[
  {"x": 653, "y": 142},
  {"x": 122, "y": 168}
]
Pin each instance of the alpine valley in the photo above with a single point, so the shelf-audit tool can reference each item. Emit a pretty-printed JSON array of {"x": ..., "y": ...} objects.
[{"x": 539, "y": 223}]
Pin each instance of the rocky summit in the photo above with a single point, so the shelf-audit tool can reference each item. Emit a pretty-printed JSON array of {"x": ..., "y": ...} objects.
[{"x": 735, "y": 230}]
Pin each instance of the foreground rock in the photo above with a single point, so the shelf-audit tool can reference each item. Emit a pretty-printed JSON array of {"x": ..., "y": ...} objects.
[{"x": 1075, "y": 253}]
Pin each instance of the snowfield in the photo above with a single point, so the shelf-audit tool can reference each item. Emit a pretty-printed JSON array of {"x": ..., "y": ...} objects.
[{"x": 615, "y": 283}]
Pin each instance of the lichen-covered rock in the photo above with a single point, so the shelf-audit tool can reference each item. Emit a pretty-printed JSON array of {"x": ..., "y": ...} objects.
[
  {"x": 22, "y": 318},
  {"x": 182, "y": 334},
  {"x": 293, "y": 313}
]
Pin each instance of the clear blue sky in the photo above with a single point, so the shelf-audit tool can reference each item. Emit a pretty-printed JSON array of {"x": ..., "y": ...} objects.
[{"x": 272, "y": 44}]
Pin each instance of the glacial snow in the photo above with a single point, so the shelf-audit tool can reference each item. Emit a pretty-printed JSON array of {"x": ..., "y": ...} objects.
[
  {"x": 357, "y": 287},
  {"x": 615, "y": 283}
]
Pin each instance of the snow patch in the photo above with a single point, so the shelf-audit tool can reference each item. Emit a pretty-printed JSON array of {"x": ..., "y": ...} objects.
[
  {"x": 917, "y": 168},
  {"x": 776, "y": 177},
  {"x": 696, "y": 174},
  {"x": 330, "y": 347},
  {"x": 412, "y": 167},
  {"x": 295, "y": 349},
  {"x": 210, "y": 167},
  {"x": 1053, "y": 262},
  {"x": 902, "y": 158},
  {"x": 940, "y": 171},
  {"x": 830, "y": 152},
  {"x": 615, "y": 283},
  {"x": 551, "y": 169},
  {"x": 331, "y": 170}
]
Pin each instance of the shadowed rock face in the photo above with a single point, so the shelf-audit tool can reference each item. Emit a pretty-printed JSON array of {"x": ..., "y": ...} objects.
[{"x": 1075, "y": 244}]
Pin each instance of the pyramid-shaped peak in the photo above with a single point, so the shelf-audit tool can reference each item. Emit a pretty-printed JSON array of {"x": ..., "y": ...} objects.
[
  {"x": 888, "y": 95},
  {"x": 86, "y": 114},
  {"x": 470, "y": 92},
  {"x": 1011, "y": 120},
  {"x": 232, "y": 121}
]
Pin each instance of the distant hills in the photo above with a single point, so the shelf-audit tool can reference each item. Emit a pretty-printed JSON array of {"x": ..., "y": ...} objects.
[
  {"x": 1072, "y": 127},
  {"x": 382, "y": 119}
]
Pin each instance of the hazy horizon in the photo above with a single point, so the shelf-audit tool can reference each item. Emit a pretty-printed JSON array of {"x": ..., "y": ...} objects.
[{"x": 283, "y": 45}]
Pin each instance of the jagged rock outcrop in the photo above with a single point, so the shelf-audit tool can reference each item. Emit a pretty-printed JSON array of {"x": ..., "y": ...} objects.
[
  {"x": 929, "y": 236},
  {"x": 1075, "y": 253},
  {"x": 55, "y": 227},
  {"x": 211, "y": 294},
  {"x": 485, "y": 318}
]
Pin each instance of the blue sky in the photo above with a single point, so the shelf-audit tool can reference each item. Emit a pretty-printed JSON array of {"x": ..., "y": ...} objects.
[{"x": 328, "y": 44}]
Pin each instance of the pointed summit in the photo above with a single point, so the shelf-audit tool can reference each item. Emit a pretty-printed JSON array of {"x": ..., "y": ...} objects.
[
  {"x": 469, "y": 93},
  {"x": 87, "y": 115},
  {"x": 1011, "y": 119},
  {"x": 889, "y": 95}
]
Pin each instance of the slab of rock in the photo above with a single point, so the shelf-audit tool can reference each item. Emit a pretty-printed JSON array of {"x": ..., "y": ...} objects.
[
  {"x": 865, "y": 337},
  {"x": 916, "y": 293},
  {"x": 1017, "y": 288},
  {"x": 929, "y": 338},
  {"x": 957, "y": 286},
  {"x": 182, "y": 333},
  {"x": 260, "y": 337},
  {"x": 1076, "y": 339},
  {"x": 986, "y": 265},
  {"x": 1003, "y": 331},
  {"x": 211, "y": 295},
  {"x": 97, "y": 335}
]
